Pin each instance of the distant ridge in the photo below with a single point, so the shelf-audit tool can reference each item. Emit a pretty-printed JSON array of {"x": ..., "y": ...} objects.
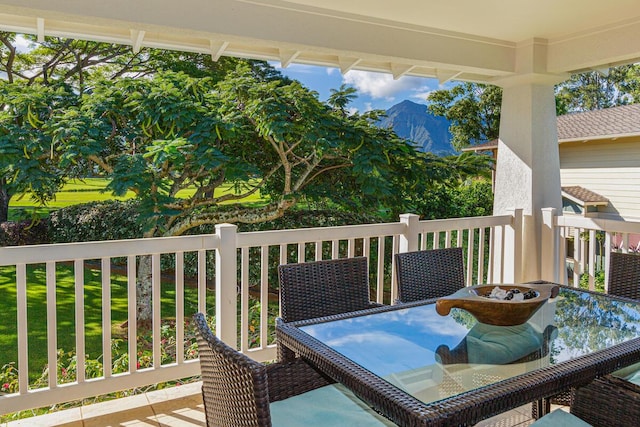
[{"x": 426, "y": 132}]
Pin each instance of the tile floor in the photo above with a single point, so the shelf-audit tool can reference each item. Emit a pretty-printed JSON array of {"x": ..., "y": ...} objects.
[
  {"x": 181, "y": 407},
  {"x": 175, "y": 407}
]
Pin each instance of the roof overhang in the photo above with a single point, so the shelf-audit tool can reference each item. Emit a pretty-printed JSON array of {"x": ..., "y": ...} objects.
[{"x": 492, "y": 42}]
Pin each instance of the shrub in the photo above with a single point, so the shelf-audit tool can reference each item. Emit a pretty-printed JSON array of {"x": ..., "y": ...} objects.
[
  {"x": 95, "y": 221},
  {"x": 27, "y": 232}
]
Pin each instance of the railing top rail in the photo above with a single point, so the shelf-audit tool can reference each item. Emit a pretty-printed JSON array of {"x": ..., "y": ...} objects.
[
  {"x": 464, "y": 223},
  {"x": 13, "y": 255},
  {"x": 280, "y": 237},
  {"x": 610, "y": 225}
]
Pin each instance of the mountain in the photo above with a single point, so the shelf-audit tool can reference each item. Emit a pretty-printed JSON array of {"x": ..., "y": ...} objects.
[{"x": 427, "y": 132}]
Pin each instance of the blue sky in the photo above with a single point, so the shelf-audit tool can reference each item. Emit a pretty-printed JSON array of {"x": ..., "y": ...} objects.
[{"x": 375, "y": 90}]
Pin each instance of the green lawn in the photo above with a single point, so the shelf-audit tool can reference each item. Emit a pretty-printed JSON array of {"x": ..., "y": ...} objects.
[
  {"x": 92, "y": 189},
  {"x": 65, "y": 312}
]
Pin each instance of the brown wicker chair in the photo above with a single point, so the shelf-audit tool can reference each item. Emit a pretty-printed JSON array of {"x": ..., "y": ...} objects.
[
  {"x": 429, "y": 274},
  {"x": 238, "y": 391},
  {"x": 610, "y": 399},
  {"x": 624, "y": 275},
  {"x": 323, "y": 288}
]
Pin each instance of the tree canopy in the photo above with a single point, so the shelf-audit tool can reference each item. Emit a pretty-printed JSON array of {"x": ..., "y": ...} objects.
[{"x": 474, "y": 109}]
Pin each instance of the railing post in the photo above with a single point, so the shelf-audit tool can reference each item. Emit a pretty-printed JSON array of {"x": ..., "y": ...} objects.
[
  {"x": 409, "y": 239},
  {"x": 226, "y": 284},
  {"x": 550, "y": 244},
  {"x": 511, "y": 246}
]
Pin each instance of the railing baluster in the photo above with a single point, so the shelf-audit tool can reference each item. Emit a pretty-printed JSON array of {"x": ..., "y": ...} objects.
[
  {"x": 23, "y": 343},
  {"x": 244, "y": 294},
  {"x": 470, "y": 250},
  {"x": 480, "y": 277},
  {"x": 132, "y": 325},
  {"x": 52, "y": 335},
  {"x": 577, "y": 260},
  {"x": 179, "y": 279},
  {"x": 156, "y": 295},
  {"x": 78, "y": 267},
  {"x": 592, "y": 259},
  {"x": 202, "y": 281},
  {"x": 105, "y": 273},
  {"x": 264, "y": 296},
  {"x": 380, "y": 271}
]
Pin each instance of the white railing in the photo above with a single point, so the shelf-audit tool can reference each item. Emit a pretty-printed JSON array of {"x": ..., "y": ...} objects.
[
  {"x": 584, "y": 245},
  {"x": 242, "y": 281}
]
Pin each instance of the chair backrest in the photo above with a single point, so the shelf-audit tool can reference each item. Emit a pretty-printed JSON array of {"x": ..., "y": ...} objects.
[
  {"x": 624, "y": 275},
  {"x": 429, "y": 274},
  {"x": 323, "y": 288},
  {"x": 234, "y": 387}
]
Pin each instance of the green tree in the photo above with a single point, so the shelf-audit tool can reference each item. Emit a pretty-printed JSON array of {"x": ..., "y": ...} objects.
[
  {"x": 595, "y": 90},
  {"x": 161, "y": 135},
  {"x": 28, "y": 153},
  {"x": 473, "y": 110}
]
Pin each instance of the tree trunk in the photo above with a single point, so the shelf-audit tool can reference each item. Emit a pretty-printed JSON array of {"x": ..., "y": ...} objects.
[
  {"x": 144, "y": 309},
  {"x": 4, "y": 201}
]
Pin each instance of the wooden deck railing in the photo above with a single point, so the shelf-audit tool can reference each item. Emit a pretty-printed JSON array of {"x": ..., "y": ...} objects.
[{"x": 234, "y": 279}]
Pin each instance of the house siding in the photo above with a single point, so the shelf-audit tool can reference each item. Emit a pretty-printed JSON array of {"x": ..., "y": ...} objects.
[{"x": 610, "y": 168}]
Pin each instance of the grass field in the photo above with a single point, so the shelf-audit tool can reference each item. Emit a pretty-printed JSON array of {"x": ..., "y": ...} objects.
[{"x": 93, "y": 189}]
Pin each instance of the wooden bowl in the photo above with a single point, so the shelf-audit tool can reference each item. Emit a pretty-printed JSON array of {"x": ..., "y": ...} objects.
[{"x": 493, "y": 311}]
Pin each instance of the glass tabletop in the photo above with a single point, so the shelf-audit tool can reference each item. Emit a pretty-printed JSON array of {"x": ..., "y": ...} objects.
[{"x": 433, "y": 357}]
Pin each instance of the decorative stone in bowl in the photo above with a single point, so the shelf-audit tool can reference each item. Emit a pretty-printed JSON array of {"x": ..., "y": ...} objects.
[{"x": 478, "y": 301}]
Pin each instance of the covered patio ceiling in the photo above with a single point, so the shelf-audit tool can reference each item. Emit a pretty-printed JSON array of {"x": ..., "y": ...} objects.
[{"x": 470, "y": 40}]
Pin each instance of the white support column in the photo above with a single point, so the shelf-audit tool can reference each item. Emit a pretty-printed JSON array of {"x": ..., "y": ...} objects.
[
  {"x": 409, "y": 240},
  {"x": 226, "y": 285},
  {"x": 528, "y": 165}
]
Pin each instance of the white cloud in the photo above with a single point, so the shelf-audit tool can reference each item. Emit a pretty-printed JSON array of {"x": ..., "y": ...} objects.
[
  {"x": 381, "y": 85},
  {"x": 422, "y": 94},
  {"x": 352, "y": 110},
  {"x": 22, "y": 44}
]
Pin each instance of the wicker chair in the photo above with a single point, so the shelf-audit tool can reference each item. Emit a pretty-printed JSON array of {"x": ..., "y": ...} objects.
[
  {"x": 429, "y": 274},
  {"x": 624, "y": 275},
  {"x": 610, "y": 399},
  {"x": 323, "y": 288},
  {"x": 238, "y": 391}
]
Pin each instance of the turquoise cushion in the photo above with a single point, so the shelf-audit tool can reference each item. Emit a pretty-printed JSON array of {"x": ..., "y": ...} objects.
[
  {"x": 333, "y": 405},
  {"x": 501, "y": 344},
  {"x": 630, "y": 373},
  {"x": 560, "y": 418}
]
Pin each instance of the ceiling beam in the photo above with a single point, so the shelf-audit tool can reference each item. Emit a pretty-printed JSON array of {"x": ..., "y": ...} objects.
[
  {"x": 265, "y": 24},
  {"x": 445, "y": 76},
  {"x": 399, "y": 70},
  {"x": 136, "y": 40},
  {"x": 217, "y": 49},
  {"x": 595, "y": 50},
  {"x": 40, "y": 29},
  {"x": 347, "y": 64},
  {"x": 287, "y": 56}
]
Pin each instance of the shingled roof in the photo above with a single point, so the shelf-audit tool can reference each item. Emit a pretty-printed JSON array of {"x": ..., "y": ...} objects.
[
  {"x": 606, "y": 123},
  {"x": 583, "y": 196},
  {"x": 614, "y": 122}
]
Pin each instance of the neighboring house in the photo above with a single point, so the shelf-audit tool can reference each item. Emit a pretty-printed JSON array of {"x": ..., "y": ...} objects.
[{"x": 599, "y": 163}]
